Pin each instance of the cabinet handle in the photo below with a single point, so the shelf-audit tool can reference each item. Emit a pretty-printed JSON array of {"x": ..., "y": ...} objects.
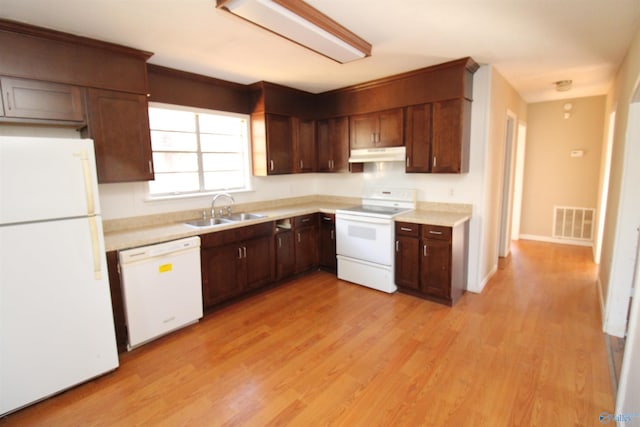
[
  {"x": 326, "y": 218},
  {"x": 301, "y": 164},
  {"x": 150, "y": 167},
  {"x": 438, "y": 233},
  {"x": 406, "y": 229},
  {"x": 435, "y": 161},
  {"x": 373, "y": 137},
  {"x": 271, "y": 164},
  {"x": 408, "y": 162},
  {"x": 298, "y": 237},
  {"x": 279, "y": 242},
  {"x": 424, "y": 249},
  {"x": 239, "y": 253},
  {"x": 244, "y": 250},
  {"x": 8, "y": 100},
  {"x": 333, "y": 234},
  {"x": 397, "y": 245},
  {"x": 306, "y": 219}
]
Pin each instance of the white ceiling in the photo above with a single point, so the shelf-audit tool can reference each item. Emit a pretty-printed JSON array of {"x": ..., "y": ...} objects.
[{"x": 532, "y": 43}]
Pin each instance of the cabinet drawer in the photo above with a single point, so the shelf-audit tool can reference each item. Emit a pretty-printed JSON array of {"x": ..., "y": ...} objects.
[
  {"x": 327, "y": 219},
  {"x": 436, "y": 232},
  {"x": 304, "y": 221},
  {"x": 407, "y": 229}
]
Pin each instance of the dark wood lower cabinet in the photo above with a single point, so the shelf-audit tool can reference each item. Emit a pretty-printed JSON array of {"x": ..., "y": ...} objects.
[
  {"x": 305, "y": 236},
  {"x": 431, "y": 261},
  {"x": 284, "y": 253},
  {"x": 407, "y": 264},
  {"x": 236, "y": 261},
  {"x": 117, "y": 305},
  {"x": 327, "y": 243}
]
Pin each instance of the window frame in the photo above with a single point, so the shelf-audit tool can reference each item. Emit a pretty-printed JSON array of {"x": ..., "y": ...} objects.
[{"x": 246, "y": 154}]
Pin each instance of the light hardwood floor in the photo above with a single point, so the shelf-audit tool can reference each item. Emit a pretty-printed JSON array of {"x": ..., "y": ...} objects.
[{"x": 528, "y": 351}]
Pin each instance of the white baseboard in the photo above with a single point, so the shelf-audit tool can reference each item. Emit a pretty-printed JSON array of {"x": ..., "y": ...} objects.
[
  {"x": 556, "y": 240},
  {"x": 484, "y": 281}
]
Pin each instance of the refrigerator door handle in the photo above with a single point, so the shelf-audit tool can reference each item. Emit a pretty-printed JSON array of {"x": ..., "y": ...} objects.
[
  {"x": 95, "y": 247},
  {"x": 88, "y": 185}
]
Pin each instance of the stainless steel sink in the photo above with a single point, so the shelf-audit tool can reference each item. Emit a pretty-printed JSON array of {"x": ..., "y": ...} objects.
[
  {"x": 209, "y": 222},
  {"x": 244, "y": 216},
  {"x": 212, "y": 222}
]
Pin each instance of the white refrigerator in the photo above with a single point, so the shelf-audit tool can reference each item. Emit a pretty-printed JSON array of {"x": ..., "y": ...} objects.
[{"x": 56, "y": 322}]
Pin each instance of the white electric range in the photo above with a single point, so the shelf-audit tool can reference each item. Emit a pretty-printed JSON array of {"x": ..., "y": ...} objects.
[{"x": 365, "y": 235}]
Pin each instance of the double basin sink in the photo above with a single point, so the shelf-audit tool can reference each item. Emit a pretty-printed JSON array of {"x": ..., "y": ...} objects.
[{"x": 233, "y": 218}]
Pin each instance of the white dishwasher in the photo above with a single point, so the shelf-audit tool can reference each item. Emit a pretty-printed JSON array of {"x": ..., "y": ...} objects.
[{"x": 161, "y": 287}]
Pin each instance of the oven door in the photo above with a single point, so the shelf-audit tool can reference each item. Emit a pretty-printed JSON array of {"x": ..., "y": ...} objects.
[{"x": 365, "y": 238}]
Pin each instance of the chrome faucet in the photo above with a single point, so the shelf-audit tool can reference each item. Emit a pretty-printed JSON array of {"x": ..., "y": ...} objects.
[{"x": 221, "y": 211}]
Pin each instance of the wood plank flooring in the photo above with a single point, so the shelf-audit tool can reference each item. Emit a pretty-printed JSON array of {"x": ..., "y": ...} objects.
[{"x": 528, "y": 351}]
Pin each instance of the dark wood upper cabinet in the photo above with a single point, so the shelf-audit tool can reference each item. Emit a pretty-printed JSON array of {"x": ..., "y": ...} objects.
[
  {"x": 333, "y": 144},
  {"x": 418, "y": 135},
  {"x": 118, "y": 123},
  {"x": 304, "y": 145},
  {"x": 272, "y": 143},
  {"x": 381, "y": 129},
  {"x": 33, "y": 99},
  {"x": 451, "y": 133}
]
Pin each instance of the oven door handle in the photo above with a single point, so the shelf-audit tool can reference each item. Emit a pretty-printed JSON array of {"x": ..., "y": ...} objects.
[{"x": 363, "y": 219}]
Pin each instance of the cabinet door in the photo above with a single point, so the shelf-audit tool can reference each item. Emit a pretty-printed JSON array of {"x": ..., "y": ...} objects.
[
  {"x": 279, "y": 144},
  {"x": 333, "y": 145},
  {"x": 258, "y": 255},
  {"x": 285, "y": 256},
  {"x": 327, "y": 243},
  {"x": 323, "y": 146},
  {"x": 435, "y": 268},
  {"x": 33, "y": 99},
  {"x": 339, "y": 137},
  {"x": 418, "y": 138},
  {"x": 305, "y": 145},
  {"x": 390, "y": 129},
  {"x": 119, "y": 125},
  {"x": 364, "y": 130},
  {"x": 407, "y": 262},
  {"x": 221, "y": 278},
  {"x": 306, "y": 249},
  {"x": 447, "y": 137}
]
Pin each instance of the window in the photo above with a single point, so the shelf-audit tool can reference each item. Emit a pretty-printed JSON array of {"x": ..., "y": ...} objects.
[{"x": 197, "y": 151}]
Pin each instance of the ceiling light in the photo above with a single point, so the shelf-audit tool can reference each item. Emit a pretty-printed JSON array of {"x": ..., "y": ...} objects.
[
  {"x": 563, "y": 85},
  {"x": 302, "y": 24}
]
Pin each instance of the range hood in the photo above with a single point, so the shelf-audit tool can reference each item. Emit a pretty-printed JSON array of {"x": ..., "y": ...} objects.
[{"x": 383, "y": 154}]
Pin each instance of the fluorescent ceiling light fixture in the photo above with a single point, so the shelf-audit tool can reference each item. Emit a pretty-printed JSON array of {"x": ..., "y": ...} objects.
[{"x": 302, "y": 24}]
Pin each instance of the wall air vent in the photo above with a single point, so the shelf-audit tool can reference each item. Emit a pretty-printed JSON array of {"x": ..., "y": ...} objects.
[{"x": 573, "y": 223}]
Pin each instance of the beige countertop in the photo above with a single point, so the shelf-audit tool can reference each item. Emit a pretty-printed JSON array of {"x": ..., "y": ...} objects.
[{"x": 157, "y": 233}]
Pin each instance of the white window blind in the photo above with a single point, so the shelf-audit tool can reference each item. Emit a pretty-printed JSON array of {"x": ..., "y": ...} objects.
[{"x": 197, "y": 151}]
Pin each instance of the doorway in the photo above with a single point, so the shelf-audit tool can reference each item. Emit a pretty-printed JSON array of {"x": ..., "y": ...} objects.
[{"x": 506, "y": 210}]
